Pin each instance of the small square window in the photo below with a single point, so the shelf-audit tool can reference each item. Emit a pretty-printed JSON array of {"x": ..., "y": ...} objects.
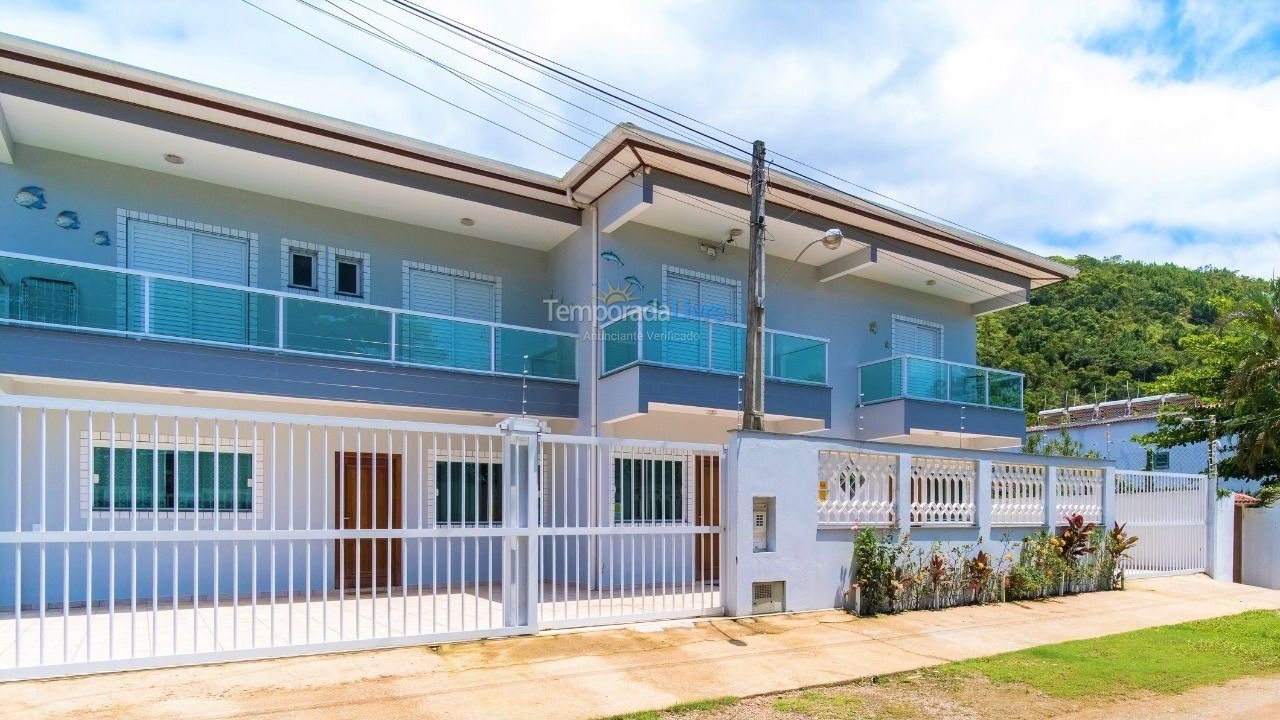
[
  {"x": 302, "y": 269},
  {"x": 349, "y": 273},
  {"x": 1160, "y": 460}
]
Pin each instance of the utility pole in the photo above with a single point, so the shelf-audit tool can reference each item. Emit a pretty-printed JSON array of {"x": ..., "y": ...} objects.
[{"x": 753, "y": 394}]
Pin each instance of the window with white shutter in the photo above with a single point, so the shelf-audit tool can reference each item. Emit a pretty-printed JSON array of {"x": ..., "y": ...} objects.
[
  {"x": 441, "y": 342},
  {"x": 917, "y": 337},
  {"x": 188, "y": 310},
  {"x": 702, "y": 297},
  {"x": 447, "y": 294},
  {"x": 924, "y": 339}
]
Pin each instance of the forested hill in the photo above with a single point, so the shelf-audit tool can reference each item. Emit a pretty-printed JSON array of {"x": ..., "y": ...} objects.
[{"x": 1115, "y": 326}]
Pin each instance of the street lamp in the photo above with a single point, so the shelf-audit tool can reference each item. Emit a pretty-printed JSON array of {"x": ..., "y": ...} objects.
[
  {"x": 830, "y": 240},
  {"x": 1212, "y": 471}
]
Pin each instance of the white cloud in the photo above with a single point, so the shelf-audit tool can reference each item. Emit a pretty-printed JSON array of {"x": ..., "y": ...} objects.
[{"x": 997, "y": 115}]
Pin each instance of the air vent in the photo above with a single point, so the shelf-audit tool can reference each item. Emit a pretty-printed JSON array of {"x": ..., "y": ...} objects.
[{"x": 766, "y": 597}]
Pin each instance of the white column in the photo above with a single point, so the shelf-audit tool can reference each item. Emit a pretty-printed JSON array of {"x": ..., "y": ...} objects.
[
  {"x": 1051, "y": 518},
  {"x": 1108, "y": 497},
  {"x": 902, "y": 498},
  {"x": 520, "y": 510},
  {"x": 735, "y": 509},
  {"x": 982, "y": 500}
]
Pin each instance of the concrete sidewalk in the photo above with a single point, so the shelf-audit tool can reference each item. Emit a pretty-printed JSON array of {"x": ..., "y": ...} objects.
[{"x": 603, "y": 672}]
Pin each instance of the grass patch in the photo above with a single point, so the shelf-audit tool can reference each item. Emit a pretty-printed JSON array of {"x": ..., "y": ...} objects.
[
  {"x": 696, "y": 706},
  {"x": 813, "y": 703},
  {"x": 712, "y": 704},
  {"x": 1167, "y": 659}
]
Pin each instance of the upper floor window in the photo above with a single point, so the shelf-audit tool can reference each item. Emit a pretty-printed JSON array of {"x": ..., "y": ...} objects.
[
  {"x": 302, "y": 269},
  {"x": 453, "y": 293},
  {"x": 700, "y": 295},
  {"x": 321, "y": 270},
  {"x": 916, "y": 337},
  {"x": 349, "y": 277}
]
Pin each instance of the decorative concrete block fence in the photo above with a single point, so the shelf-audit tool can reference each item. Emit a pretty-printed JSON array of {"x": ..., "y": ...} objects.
[{"x": 935, "y": 522}]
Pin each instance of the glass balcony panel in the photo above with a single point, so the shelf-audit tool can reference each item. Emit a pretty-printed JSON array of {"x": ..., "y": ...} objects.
[
  {"x": 797, "y": 358},
  {"x": 544, "y": 354},
  {"x": 212, "y": 314},
  {"x": 621, "y": 343},
  {"x": 968, "y": 385},
  {"x": 881, "y": 380},
  {"x": 926, "y": 379},
  {"x": 728, "y": 343},
  {"x": 336, "y": 329},
  {"x": 1006, "y": 390},
  {"x": 56, "y": 294},
  {"x": 442, "y": 342},
  {"x": 676, "y": 341}
]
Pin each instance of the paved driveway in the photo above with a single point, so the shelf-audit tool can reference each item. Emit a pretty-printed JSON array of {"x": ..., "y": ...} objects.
[{"x": 603, "y": 672}]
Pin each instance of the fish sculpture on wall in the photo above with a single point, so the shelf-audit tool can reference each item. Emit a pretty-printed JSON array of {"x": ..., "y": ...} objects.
[
  {"x": 611, "y": 256},
  {"x": 67, "y": 220},
  {"x": 101, "y": 238},
  {"x": 30, "y": 197}
]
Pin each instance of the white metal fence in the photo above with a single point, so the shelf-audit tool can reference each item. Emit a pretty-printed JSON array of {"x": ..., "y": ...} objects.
[
  {"x": 1166, "y": 511},
  {"x": 643, "y": 544},
  {"x": 135, "y": 535}
]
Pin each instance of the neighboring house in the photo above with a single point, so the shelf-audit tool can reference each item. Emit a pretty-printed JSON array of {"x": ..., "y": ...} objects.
[
  {"x": 254, "y": 263},
  {"x": 1110, "y": 428}
]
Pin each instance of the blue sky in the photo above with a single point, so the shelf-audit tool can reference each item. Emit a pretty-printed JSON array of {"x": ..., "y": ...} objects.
[{"x": 1116, "y": 127}]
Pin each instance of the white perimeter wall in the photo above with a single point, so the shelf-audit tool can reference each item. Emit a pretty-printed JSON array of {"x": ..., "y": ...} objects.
[{"x": 1260, "y": 547}]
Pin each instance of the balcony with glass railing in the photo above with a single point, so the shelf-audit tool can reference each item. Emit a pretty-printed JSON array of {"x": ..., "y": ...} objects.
[
  {"x": 66, "y": 295},
  {"x": 920, "y": 378},
  {"x": 651, "y": 338}
]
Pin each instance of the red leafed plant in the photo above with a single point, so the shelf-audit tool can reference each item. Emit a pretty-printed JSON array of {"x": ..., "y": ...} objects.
[
  {"x": 1076, "y": 538},
  {"x": 938, "y": 570}
]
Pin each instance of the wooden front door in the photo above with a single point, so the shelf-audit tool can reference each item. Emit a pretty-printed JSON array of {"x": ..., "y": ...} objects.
[
  {"x": 368, "y": 497},
  {"x": 706, "y": 509}
]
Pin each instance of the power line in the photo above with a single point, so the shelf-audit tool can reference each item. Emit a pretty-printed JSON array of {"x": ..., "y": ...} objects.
[
  {"x": 492, "y": 91},
  {"x": 706, "y": 208},
  {"x": 506, "y": 46}
]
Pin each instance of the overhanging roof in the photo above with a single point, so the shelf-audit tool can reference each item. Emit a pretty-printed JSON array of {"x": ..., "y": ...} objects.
[{"x": 68, "y": 101}]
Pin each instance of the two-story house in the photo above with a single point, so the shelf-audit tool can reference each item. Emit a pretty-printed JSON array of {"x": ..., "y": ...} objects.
[
  {"x": 170, "y": 241},
  {"x": 245, "y": 347}
]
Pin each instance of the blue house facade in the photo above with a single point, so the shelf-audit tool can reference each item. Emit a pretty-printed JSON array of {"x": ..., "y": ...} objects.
[
  {"x": 244, "y": 347},
  {"x": 225, "y": 245}
]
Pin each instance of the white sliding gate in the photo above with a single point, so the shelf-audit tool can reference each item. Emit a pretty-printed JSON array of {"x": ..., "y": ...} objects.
[
  {"x": 139, "y": 536},
  {"x": 1166, "y": 511}
]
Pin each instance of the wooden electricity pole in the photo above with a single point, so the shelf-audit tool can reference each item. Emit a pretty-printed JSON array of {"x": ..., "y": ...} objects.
[{"x": 753, "y": 382}]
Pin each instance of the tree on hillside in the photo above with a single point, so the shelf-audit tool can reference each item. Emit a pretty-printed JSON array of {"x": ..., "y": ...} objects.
[
  {"x": 1110, "y": 332},
  {"x": 1235, "y": 370}
]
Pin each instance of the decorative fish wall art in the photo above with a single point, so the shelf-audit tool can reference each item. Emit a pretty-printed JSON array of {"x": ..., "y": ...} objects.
[
  {"x": 101, "y": 238},
  {"x": 30, "y": 197},
  {"x": 67, "y": 220},
  {"x": 611, "y": 256}
]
